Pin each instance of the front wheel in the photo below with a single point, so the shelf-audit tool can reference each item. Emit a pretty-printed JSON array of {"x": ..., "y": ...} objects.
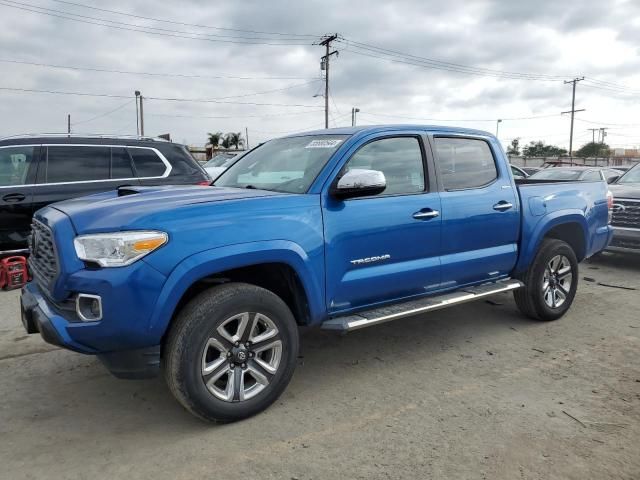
[
  {"x": 231, "y": 352},
  {"x": 550, "y": 283}
]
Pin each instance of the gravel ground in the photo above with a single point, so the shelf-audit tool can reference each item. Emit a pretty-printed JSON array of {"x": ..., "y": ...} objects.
[{"x": 473, "y": 392}]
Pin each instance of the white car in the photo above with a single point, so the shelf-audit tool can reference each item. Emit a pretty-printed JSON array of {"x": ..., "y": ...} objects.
[{"x": 220, "y": 163}]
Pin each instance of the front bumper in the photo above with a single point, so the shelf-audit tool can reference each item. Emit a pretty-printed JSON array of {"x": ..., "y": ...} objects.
[
  {"x": 122, "y": 339},
  {"x": 625, "y": 240}
]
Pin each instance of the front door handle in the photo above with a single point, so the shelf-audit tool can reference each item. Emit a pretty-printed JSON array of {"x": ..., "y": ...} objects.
[
  {"x": 502, "y": 205},
  {"x": 426, "y": 214},
  {"x": 13, "y": 197}
]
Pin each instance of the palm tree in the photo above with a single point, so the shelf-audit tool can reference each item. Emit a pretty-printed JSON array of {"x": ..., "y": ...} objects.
[
  {"x": 214, "y": 139},
  {"x": 235, "y": 139},
  {"x": 225, "y": 142}
]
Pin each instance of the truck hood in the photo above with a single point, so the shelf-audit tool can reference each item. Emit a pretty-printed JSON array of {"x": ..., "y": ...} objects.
[
  {"x": 622, "y": 190},
  {"x": 124, "y": 207}
]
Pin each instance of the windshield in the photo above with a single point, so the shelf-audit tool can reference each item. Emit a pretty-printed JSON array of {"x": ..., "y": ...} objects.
[
  {"x": 287, "y": 165},
  {"x": 556, "y": 174},
  {"x": 632, "y": 176}
]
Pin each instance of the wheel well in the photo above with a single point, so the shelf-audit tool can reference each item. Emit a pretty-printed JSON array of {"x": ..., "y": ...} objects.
[
  {"x": 571, "y": 233},
  {"x": 278, "y": 278}
]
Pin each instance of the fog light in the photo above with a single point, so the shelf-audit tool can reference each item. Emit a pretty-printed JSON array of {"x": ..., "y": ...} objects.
[{"x": 89, "y": 307}]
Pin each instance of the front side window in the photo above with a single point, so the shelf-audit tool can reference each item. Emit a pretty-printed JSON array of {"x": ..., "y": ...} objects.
[
  {"x": 465, "y": 163},
  {"x": 120, "y": 163},
  {"x": 14, "y": 165},
  {"x": 147, "y": 162},
  {"x": 288, "y": 165},
  {"x": 400, "y": 159},
  {"x": 632, "y": 176},
  {"x": 77, "y": 164},
  {"x": 592, "y": 176}
]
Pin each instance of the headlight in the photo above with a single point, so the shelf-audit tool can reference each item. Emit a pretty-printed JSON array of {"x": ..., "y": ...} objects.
[{"x": 119, "y": 248}]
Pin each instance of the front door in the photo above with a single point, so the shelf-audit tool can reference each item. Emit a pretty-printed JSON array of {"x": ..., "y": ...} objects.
[{"x": 384, "y": 247}]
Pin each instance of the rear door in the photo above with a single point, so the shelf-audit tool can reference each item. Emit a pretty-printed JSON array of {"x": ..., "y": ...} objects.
[
  {"x": 18, "y": 165},
  {"x": 480, "y": 210},
  {"x": 70, "y": 171},
  {"x": 384, "y": 247}
]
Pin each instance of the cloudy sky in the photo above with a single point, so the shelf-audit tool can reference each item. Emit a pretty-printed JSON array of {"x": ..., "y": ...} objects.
[{"x": 204, "y": 67}]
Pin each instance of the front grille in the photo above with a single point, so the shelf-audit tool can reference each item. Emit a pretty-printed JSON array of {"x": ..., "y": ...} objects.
[
  {"x": 626, "y": 213},
  {"x": 43, "y": 260}
]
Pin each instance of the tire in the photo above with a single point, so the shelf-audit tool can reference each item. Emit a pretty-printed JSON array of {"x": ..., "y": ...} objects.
[
  {"x": 548, "y": 294},
  {"x": 207, "y": 338}
]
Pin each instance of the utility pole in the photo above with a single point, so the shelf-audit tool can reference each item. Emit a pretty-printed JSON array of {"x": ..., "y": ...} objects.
[
  {"x": 573, "y": 111},
  {"x": 141, "y": 118},
  {"x": 137, "y": 93},
  {"x": 603, "y": 130},
  {"x": 354, "y": 111},
  {"x": 324, "y": 65},
  {"x": 246, "y": 134},
  {"x": 593, "y": 134},
  {"x": 498, "y": 122},
  {"x": 68, "y": 123}
]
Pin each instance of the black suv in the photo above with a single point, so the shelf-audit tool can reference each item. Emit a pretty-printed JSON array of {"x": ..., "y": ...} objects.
[{"x": 38, "y": 170}]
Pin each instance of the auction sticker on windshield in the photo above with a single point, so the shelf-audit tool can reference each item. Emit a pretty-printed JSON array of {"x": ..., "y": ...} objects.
[{"x": 324, "y": 143}]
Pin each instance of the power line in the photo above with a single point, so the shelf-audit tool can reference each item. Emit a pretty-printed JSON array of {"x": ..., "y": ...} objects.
[
  {"x": 143, "y": 29},
  {"x": 460, "y": 119},
  {"x": 168, "y": 99},
  {"x": 153, "y": 74},
  {"x": 184, "y": 23},
  {"x": 128, "y": 102},
  {"x": 268, "y": 115}
]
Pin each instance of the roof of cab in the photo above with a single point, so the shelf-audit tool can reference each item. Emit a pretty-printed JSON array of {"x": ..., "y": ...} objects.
[{"x": 366, "y": 129}]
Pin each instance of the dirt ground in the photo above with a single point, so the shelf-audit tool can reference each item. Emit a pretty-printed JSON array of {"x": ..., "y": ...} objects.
[{"x": 473, "y": 392}]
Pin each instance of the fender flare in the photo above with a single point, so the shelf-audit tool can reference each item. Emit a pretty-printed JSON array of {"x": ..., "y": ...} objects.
[
  {"x": 542, "y": 227},
  {"x": 209, "y": 262}
]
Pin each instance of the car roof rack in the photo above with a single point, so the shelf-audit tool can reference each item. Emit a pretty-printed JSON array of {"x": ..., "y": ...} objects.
[{"x": 86, "y": 135}]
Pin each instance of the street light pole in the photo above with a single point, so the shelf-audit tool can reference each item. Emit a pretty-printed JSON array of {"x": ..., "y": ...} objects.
[
  {"x": 137, "y": 92},
  {"x": 498, "y": 122},
  {"x": 354, "y": 111}
]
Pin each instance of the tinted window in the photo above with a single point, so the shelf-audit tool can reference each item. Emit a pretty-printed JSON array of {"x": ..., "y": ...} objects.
[
  {"x": 592, "y": 176},
  {"x": 77, "y": 164},
  {"x": 517, "y": 173},
  {"x": 465, "y": 163},
  {"x": 147, "y": 162},
  {"x": 400, "y": 159},
  {"x": 14, "y": 165},
  {"x": 120, "y": 163},
  {"x": 555, "y": 173}
]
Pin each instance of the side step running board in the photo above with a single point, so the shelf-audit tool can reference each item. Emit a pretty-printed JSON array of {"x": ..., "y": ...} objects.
[{"x": 414, "y": 307}]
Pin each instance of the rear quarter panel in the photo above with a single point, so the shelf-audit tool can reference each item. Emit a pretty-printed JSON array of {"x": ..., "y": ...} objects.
[{"x": 547, "y": 205}]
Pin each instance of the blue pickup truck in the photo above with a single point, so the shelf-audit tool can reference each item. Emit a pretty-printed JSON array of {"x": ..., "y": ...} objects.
[{"x": 341, "y": 229}]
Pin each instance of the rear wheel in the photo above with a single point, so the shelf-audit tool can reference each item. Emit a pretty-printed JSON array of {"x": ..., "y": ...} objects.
[
  {"x": 550, "y": 283},
  {"x": 231, "y": 352}
]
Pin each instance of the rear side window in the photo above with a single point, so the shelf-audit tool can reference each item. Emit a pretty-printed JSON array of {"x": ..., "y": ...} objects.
[
  {"x": 120, "y": 163},
  {"x": 14, "y": 165},
  {"x": 592, "y": 176},
  {"x": 77, "y": 164},
  {"x": 147, "y": 162},
  {"x": 465, "y": 163}
]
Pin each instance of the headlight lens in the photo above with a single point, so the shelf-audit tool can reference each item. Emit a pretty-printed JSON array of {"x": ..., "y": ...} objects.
[{"x": 119, "y": 248}]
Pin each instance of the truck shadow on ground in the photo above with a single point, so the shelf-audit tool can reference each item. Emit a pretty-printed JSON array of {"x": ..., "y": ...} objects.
[{"x": 79, "y": 390}]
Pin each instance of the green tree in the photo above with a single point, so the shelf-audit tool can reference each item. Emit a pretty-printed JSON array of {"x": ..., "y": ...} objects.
[
  {"x": 593, "y": 149},
  {"x": 514, "y": 148},
  {"x": 214, "y": 138},
  {"x": 234, "y": 140},
  {"x": 225, "y": 142},
  {"x": 540, "y": 149}
]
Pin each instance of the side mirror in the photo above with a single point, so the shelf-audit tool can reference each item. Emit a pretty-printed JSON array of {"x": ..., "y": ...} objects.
[
  {"x": 359, "y": 182},
  {"x": 613, "y": 179}
]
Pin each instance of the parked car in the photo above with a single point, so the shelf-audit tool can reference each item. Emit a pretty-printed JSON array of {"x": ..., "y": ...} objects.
[
  {"x": 579, "y": 174},
  {"x": 38, "y": 170},
  {"x": 518, "y": 172},
  {"x": 342, "y": 228},
  {"x": 530, "y": 170},
  {"x": 626, "y": 212},
  {"x": 220, "y": 163}
]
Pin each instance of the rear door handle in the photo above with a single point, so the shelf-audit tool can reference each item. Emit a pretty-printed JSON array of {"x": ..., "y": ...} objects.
[
  {"x": 13, "y": 197},
  {"x": 426, "y": 214},
  {"x": 502, "y": 206}
]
